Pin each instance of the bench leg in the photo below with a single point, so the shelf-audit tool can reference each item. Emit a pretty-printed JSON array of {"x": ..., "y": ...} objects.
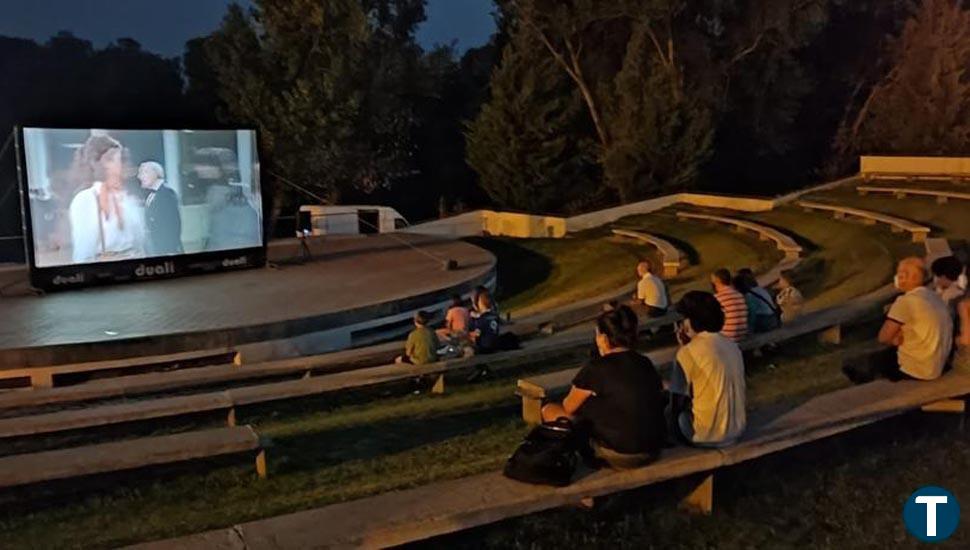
[
  {"x": 949, "y": 406},
  {"x": 919, "y": 237},
  {"x": 831, "y": 335},
  {"x": 42, "y": 380},
  {"x": 701, "y": 499},
  {"x": 838, "y": 215},
  {"x": 439, "y": 385},
  {"x": 531, "y": 410},
  {"x": 261, "y": 464},
  {"x": 899, "y": 195},
  {"x": 942, "y": 199}
]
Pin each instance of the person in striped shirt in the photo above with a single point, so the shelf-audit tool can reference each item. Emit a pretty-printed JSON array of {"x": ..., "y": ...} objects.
[{"x": 733, "y": 304}]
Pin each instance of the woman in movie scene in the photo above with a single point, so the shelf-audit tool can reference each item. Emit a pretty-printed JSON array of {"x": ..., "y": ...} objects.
[{"x": 107, "y": 223}]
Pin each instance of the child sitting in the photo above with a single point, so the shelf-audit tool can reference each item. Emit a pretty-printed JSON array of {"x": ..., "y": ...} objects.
[
  {"x": 789, "y": 298},
  {"x": 422, "y": 343}
]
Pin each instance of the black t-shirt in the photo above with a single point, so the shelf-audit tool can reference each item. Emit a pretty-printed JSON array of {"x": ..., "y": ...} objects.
[
  {"x": 625, "y": 412},
  {"x": 487, "y": 324}
]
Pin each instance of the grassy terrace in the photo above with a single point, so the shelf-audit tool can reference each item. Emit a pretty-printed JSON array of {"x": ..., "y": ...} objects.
[
  {"x": 537, "y": 274},
  {"x": 324, "y": 454}
]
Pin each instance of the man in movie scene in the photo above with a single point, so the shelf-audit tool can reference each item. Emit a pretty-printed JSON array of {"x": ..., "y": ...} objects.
[
  {"x": 163, "y": 222},
  {"x": 107, "y": 223}
]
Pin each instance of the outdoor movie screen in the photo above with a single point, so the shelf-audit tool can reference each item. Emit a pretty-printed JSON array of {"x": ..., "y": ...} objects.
[{"x": 112, "y": 195}]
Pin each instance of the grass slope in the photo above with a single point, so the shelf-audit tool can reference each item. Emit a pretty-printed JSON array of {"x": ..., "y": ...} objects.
[{"x": 324, "y": 456}]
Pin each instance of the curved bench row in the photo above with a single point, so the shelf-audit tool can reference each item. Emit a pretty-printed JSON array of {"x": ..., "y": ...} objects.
[
  {"x": 898, "y": 225},
  {"x": 942, "y": 197},
  {"x": 785, "y": 243},
  {"x": 673, "y": 259}
]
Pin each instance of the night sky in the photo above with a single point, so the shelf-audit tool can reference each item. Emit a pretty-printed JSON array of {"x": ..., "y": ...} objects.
[{"x": 163, "y": 26}]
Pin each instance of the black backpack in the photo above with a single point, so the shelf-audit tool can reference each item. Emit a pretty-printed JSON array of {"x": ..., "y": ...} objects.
[{"x": 547, "y": 456}]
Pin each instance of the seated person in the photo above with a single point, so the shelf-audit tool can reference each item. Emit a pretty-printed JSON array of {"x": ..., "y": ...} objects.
[
  {"x": 707, "y": 387},
  {"x": 961, "y": 357},
  {"x": 422, "y": 344},
  {"x": 457, "y": 320},
  {"x": 918, "y": 329},
  {"x": 485, "y": 325},
  {"x": 651, "y": 290},
  {"x": 733, "y": 306},
  {"x": 763, "y": 314},
  {"x": 617, "y": 398},
  {"x": 789, "y": 298},
  {"x": 946, "y": 280},
  {"x": 479, "y": 291}
]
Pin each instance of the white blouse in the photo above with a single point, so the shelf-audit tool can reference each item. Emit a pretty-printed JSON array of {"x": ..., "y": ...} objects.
[{"x": 120, "y": 242}]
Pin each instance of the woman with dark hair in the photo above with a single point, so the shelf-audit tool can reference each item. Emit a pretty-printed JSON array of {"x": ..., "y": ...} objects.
[
  {"x": 707, "y": 384},
  {"x": 616, "y": 398},
  {"x": 107, "y": 223},
  {"x": 763, "y": 313}
]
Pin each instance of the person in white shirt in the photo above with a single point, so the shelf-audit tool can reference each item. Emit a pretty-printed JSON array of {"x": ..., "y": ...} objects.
[
  {"x": 651, "y": 290},
  {"x": 707, "y": 386},
  {"x": 918, "y": 328},
  {"x": 107, "y": 223}
]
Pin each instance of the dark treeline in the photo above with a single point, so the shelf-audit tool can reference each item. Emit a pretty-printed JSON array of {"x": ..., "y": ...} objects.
[{"x": 571, "y": 106}]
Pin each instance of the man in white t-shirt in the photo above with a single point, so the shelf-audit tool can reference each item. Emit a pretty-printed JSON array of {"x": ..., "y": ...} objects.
[
  {"x": 918, "y": 327},
  {"x": 707, "y": 383},
  {"x": 651, "y": 290}
]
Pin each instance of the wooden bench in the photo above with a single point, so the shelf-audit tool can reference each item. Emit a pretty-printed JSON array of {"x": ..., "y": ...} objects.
[
  {"x": 417, "y": 514},
  {"x": 826, "y": 323},
  {"x": 942, "y": 197},
  {"x": 43, "y": 377},
  {"x": 898, "y": 225},
  {"x": 673, "y": 259},
  {"x": 24, "y": 469},
  {"x": 785, "y": 243}
]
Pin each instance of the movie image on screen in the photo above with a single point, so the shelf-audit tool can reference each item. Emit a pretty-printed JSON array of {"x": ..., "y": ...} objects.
[{"x": 112, "y": 195}]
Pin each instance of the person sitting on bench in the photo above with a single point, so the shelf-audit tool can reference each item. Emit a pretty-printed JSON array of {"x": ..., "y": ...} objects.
[
  {"x": 457, "y": 320},
  {"x": 651, "y": 290},
  {"x": 422, "y": 343},
  {"x": 707, "y": 387},
  {"x": 918, "y": 328},
  {"x": 763, "y": 314},
  {"x": 789, "y": 298},
  {"x": 733, "y": 306},
  {"x": 961, "y": 355},
  {"x": 485, "y": 325},
  {"x": 616, "y": 399},
  {"x": 946, "y": 280}
]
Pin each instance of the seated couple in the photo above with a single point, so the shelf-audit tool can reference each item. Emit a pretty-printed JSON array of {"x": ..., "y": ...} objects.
[
  {"x": 618, "y": 400},
  {"x": 465, "y": 333},
  {"x": 918, "y": 332}
]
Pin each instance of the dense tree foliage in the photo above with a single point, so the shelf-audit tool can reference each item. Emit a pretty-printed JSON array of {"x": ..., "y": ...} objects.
[{"x": 920, "y": 105}]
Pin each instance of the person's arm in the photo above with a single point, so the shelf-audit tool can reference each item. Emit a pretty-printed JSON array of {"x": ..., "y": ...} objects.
[
  {"x": 569, "y": 407},
  {"x": 409, "y": 345},
  {"x": 891, "y": 333},
  {"x": 963, "y": 310}
]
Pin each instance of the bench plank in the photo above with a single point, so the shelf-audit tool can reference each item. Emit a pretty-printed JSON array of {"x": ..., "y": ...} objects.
[
  {"x": 117, "y": 456},
  {"x": 439, "y": 508},
  {"x": 784, "y": 242},
  {"x": 919, "y": 232},
  {"x": 941, "y": 196}
]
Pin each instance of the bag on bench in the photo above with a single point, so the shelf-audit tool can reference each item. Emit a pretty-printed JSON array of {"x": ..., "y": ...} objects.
[{"x": 548, "y": 456}]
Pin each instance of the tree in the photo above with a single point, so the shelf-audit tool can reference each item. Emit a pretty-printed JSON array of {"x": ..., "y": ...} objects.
[
  {"x": 523, "y": 143},
  {"x": 921, "y": 104},
  {"x": 326, "y": 84}
]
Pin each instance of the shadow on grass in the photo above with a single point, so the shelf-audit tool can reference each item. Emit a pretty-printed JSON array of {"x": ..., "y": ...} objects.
[{"x": 519, "y": 268}]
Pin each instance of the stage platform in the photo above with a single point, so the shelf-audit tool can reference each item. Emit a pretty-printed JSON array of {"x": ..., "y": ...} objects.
[{"x": 354, "y": 290}]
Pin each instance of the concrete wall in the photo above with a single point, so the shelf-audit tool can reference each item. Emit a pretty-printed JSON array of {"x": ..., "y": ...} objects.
[
  {"x": 915, "y": 165},
  {"x": 525, "y": 226}
]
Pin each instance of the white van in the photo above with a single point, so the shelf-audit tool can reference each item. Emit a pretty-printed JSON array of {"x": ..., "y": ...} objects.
[{"x": 349, "y": 220}]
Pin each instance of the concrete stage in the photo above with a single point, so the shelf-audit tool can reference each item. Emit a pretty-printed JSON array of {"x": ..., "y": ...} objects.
[{"x": 355, "y": 291}]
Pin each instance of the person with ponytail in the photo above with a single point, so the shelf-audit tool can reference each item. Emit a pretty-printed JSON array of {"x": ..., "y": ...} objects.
[{"x": 617, "y": 399}]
